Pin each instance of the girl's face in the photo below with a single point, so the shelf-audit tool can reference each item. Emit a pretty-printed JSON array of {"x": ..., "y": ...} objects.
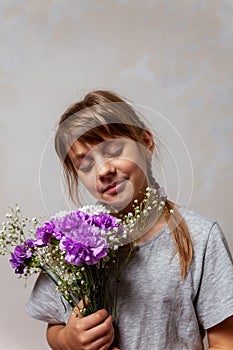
[{"x": 113, "y": 171}]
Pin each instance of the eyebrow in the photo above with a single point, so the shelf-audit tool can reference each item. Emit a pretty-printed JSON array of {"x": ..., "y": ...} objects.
[{"x": 78, "y": 157}]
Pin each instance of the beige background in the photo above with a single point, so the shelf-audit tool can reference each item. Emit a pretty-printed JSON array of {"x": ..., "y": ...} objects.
[{"x": 174, "y": 57}]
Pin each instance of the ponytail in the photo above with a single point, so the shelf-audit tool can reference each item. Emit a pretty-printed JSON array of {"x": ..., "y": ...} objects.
[
  {"x": 180, "y": 234},
  {"x": 178, "y": 228}
]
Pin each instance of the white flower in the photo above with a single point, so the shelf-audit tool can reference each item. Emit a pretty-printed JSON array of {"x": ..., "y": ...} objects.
[
  {"x": 61, "y": 213},
  {"x": 94, "y": 209}
]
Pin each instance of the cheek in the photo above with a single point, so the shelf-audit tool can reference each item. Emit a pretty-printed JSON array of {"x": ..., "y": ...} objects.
[
  {"x": 139, "y": 176},
  {"x": 136, "y": 160},
  {"x": 89, "y": 181},
  {"x": 134, "y": 168}
]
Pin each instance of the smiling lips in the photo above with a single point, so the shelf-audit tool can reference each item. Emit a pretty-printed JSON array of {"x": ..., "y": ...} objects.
[{"x": 115, "y": 187}]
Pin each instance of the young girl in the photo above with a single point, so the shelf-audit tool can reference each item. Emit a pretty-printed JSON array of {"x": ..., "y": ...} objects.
[{"x": 178, "y": 283}]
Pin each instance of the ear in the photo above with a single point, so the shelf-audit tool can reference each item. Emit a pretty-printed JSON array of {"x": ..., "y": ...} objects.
[{"x": 147, "y": 140}]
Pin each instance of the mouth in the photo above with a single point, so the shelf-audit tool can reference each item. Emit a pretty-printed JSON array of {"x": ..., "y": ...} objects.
[{"x": 115, "y": 187}]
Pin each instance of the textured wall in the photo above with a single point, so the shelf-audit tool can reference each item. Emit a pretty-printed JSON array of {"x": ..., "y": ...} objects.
[{"x": 174, "y": 57}]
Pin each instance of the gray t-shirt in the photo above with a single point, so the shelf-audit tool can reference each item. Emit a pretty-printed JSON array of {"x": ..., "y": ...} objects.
[{"x": 156, "y": 308}]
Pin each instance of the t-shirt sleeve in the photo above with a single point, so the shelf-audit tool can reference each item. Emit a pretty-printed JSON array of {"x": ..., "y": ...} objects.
[
  {"x": 215, "y": 298},
  {"x": 46, "y": 302}
]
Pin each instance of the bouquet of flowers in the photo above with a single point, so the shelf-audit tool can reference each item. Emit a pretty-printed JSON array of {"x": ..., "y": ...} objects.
[{"x": 76, "y": 249}]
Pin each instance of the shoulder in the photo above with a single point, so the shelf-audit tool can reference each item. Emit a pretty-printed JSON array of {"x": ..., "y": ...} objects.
[
  {"x": 205, "y": 232},
  {"x": 211, "y": 272},
  {"x": 196, "y": 219},
  {"x": 207, "y": 237},
  {"x": 46, "y": 302},
  {"x": 199, "y": 226}
]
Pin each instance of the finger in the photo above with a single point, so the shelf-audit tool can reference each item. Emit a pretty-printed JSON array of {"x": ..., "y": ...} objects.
[
  {"x": 95, "y": 319},
  {"x": 76, "y": 312},
  {"x": 104, "y": 331},
  {"x": 79, "y": 308},
  {"x": 104, "y": 343}
]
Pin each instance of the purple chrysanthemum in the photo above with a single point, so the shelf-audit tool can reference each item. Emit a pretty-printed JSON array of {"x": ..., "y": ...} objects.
[
  {"x": 20, "y": 256},
  {"x": 77, "y": 222},
  {"x": 88, "y": 250},
  {"x": 80, "y": 236},
  {"x": 66, "y": 224},
  {"x": 84, "y": 217},
  {"x": 105, "y": 221},
  {"x": 44, "y": 234}
]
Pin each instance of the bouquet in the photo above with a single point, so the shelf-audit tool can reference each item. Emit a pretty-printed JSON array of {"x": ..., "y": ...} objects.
[{"x": 76, "y": 249}]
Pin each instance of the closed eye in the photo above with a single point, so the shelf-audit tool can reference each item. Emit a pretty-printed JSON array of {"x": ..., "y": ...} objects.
[
  {"x": 86, "y": 168},
  {"x": 116, "y": 153}
]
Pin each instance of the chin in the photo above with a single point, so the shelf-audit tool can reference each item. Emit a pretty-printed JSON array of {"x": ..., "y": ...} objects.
[{"x": 121, "y": 203}]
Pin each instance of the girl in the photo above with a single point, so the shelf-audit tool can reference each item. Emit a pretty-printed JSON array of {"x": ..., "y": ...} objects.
[{"x": 178, "y": 283}]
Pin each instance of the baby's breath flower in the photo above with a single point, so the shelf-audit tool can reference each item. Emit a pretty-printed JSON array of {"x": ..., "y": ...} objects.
[{"x": 47, "y": 250}]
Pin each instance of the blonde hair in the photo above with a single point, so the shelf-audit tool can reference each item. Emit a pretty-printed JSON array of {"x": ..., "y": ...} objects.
[{"x": 104, "y": 114}]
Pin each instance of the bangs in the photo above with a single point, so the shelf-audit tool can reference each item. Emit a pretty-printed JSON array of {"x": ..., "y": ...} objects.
[
  {"x": 64, "y": 139},
  {"x": 109, "y": 131}
]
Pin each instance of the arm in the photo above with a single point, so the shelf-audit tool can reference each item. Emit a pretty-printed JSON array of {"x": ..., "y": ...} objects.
[
  {"x": 221, "y": 335},
  {"x": 94, "y": 332}
]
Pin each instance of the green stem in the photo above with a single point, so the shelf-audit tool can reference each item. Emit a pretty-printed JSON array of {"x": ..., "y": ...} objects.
[
  {"x": 118, "y": 275},
  {"x": 127, "y": 259},
  {"x": 56, "y": 278}
]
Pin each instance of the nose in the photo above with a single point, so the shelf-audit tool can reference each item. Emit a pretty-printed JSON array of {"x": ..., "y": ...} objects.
[{"x": 106, "y": 171}]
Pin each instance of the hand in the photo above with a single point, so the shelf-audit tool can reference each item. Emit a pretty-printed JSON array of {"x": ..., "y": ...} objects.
[{"x": 93, "y": 332}]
